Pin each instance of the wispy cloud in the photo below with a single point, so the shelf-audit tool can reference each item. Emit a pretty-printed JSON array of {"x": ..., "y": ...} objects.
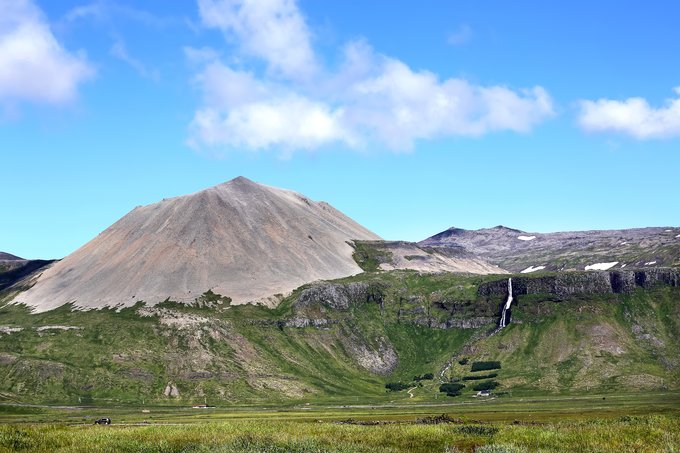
[
  {"x": 633, "y": 116},
  {"x": 300, "y": 104},
  {"x": 105, "y": 10},
  {"x": 34, "y": 66},
  {"x": 462, "y": 35},
  {"x": 119, "y": 51}
]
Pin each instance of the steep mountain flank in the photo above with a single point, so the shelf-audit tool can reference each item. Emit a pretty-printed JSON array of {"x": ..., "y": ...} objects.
[
  {"x": 519, "y": 251},
  {"x": 240, "y": 239}
]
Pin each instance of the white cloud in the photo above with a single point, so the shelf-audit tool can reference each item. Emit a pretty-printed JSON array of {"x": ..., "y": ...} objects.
[
  {"x": 633, "y": 116},
  {"x": 241, "y": 111},
  {"x": 462, "y": 35},
  {"x": 33, "y": 65},
  {"x": 368, "y": 98},
  {"x": 290, "y": 121},
  {"x": 398, "y": 105},
  {"x": 270, "y": 29}
]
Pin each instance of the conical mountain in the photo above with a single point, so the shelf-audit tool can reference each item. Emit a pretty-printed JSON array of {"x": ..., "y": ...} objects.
[{"x": 239, "y": 239}]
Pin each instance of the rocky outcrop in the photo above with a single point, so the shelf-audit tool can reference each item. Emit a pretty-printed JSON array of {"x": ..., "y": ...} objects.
[
  {"x": 376, "y": 355},
  {"x": 572, "y": 283},
  {"x": 171, "y": 390},
  {"x": 300, "y": 322},
  {"x": 457, "y": 323},
  {"x": 338, "y": 296}
]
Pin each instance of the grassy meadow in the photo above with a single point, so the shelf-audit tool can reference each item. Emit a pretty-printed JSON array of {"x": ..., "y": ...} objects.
[{"x": 647, "y": 422}]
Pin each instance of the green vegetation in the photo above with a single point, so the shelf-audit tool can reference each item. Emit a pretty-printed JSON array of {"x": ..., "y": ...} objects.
[
  {"x": 369, "y": 256},
  {"x": 479, "y": 377},
  {"x": 451, "y": 389},
  {"x": 209, "y": 298},
  {"x": 545, "y": 425},
  {"x": 424, "y": 377},
  {"x": 396, "y": 386},
  {"x": 487, "y": 385},
  {"x": 483, "y": 366}
]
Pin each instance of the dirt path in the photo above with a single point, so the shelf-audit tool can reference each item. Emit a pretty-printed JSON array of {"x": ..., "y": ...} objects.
[{"x": 410, "y": 395}]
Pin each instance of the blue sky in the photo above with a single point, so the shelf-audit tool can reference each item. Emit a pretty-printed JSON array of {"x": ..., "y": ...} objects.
[{"x": 410, "y": 117}]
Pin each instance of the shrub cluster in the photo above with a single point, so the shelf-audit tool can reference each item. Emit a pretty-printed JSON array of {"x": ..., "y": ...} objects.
[
  {"x": 463, "y": 361},
  {"x": 480, "y": 376},
  {"x": 451, "y": 389},
  {"x": 483, "y": 366},
  {"x": 396, "y": 386},
  {"x": 488, "y": 385},
  {"x": 477, "y": 430},
  {"x": 424, "y": 377}
]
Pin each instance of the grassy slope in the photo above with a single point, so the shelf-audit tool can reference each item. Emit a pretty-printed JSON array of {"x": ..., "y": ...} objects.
[
  {"x": 240, "y": 354},
  {"x": 604, "y": 343}
]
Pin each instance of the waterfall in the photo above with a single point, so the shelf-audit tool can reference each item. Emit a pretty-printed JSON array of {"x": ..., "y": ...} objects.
[{"x": 502, "y": 322}]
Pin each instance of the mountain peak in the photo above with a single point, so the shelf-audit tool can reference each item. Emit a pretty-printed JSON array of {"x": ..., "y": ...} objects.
[
  {"x": 9, "y": 257},
  {"x": 241, "y": 180},
  {"x": 238, "y": 182},
  {"x": 504, "y": 228},
  {"x": 239, "y": 239}
]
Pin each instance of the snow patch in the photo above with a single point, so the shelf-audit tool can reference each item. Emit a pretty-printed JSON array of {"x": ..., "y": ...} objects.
[
  {"x": 678, "y": 236},
  {"x": 7, "y": 329},
  {"x": 623, "y": 265},
  {"x": 532, "y": 269},
  {"x": 650, "y": 263},
  {"x": 624, "y": 243},
  {"x": 526, "y": 238},
  {"x": 43, "y": 328},
  {"x": 601, "y": 266}
]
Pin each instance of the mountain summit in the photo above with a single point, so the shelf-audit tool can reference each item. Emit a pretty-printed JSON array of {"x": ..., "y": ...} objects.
[{"x": 239, "y": 239}]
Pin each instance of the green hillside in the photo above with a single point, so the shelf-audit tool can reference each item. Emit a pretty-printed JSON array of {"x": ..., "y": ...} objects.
[{"x": 343, "y": 341}]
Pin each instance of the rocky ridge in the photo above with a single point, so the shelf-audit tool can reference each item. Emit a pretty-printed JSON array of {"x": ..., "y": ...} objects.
[{"x": 520, "y": 251}]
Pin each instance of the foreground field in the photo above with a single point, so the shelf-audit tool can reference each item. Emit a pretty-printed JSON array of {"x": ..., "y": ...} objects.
[{"x": 647, "y": 422}]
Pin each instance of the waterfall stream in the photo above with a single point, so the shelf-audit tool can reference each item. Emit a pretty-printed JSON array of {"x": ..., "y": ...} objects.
[{"x": 502, "y": 323}]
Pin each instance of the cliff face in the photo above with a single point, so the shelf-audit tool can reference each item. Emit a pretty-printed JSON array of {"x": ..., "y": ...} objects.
[
  {"x": 568, "y": 284},
  {"x": 324, "y": 304}
]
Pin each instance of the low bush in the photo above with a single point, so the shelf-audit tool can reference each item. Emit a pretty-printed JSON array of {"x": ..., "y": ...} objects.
[
  {"x": 480, "y": 376},
  {"x": 451, "y": 388},
  {"x": 488, "y": 385},
  {"x": 396, "y": 386},
  {"x": 483, "y": 366},
  {"x": 424, "y": 377},
  {"x": 463, "y": 361},
  {"x": 477, "y": 430}
]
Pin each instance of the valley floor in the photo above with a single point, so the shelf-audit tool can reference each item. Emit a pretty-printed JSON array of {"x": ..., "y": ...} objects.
[{"x": 619, "y": 422}]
